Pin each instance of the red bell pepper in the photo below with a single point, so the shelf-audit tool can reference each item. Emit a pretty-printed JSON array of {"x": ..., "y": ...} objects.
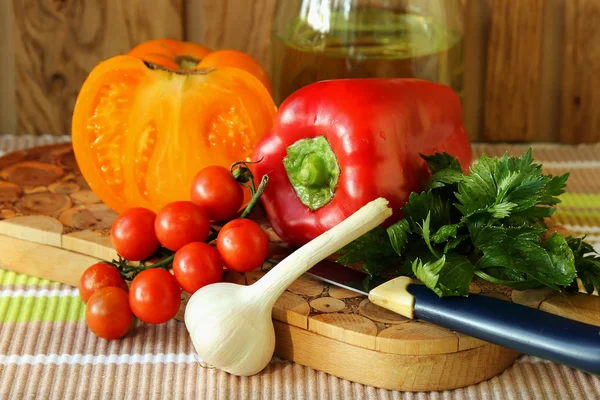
[{"x": 337, "y": 145}]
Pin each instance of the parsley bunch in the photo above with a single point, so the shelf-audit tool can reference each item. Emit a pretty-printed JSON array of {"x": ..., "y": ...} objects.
[{"x": 488, "y": 223}]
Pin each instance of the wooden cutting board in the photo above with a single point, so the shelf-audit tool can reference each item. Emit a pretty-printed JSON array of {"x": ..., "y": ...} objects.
[{"x": 53, "y": 226}]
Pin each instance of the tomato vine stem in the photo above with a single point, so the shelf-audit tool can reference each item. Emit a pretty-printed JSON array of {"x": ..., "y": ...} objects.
[
  {"x": 243, "y": 175},
  {"x": 255, "y": 196}
]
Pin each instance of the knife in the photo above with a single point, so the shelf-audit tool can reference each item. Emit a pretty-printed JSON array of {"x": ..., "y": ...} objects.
[{"x": 506, "y": 324}]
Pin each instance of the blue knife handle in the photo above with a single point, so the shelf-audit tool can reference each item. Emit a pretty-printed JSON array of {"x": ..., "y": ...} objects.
[{"x": 511, "y": 325}]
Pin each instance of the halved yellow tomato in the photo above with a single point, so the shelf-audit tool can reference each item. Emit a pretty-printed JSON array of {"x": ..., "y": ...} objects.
[
  {"x": 170, "y": 53},
  {"x": 180, "y": 55},
  {"x": 141, "y": 132}
]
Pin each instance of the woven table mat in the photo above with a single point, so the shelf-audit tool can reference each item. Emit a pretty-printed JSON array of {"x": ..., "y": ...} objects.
[{"x": 46, "y": 350}]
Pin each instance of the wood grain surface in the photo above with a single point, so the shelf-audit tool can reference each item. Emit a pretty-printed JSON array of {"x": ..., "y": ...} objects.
[
  {"x": 531, "y": 66},
  {"x": 57, "y": 43},
  {"x": 52, "y": 226},
  {"x": 390, "y": 370},
  {"x": 475, "y": 41},
  {"x": 339, "y": 341},
  {"x": 581, "y": 78},
  {"x": 401, "y": 354},
  {"x": 8, "y": 110},
  {"x": 513, "y": 70},
  {"x": 549, "y": 90},
  {"x": 237, "y": 24}
]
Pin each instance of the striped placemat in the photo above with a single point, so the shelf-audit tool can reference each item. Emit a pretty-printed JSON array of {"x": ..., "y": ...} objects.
[{"x": 46, "y": 350}]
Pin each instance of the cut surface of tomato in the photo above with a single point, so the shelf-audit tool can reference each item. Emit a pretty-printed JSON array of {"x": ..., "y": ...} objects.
[{"x": 141, "y": 132}]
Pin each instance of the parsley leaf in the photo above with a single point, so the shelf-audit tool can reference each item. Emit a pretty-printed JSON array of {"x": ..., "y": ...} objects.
[
  {"x": 425, "y": 234},
  {"x": 490, "y": 236},
  {"x": 588, "y": 270},
  {"x": 489, "y": 223},
  {"x": 579, "y": 247},
  {"x": 551, "y": 264},
  {"x": 587, "y": 263},
  {"x": 444, "y": 178},
  {"x": 420, "y": 206},
  {"x": 373, "y": 250},
  {"x": 445, "y": 170},
  {"x": 455, "y": 242},
  {"x": 446, "y": 232},
  {"x": 507, "y": 185},
  {"x": 562, "y": 258},
  {"x": 533, "y": 215},
  {"x": 555, "y": 186},
  {"x": 447, "y": 276},
  {"x": 477, "y": 191},
  {"x": 416, "y": 248},
  {"x": 398, "y": 234},
  {"x": 441, "y": 162}
]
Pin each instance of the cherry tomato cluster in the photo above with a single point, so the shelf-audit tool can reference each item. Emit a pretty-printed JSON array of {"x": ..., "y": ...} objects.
[{"x": 182, "y": 231}]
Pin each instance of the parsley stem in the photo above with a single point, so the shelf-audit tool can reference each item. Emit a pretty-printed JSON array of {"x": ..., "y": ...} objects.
[{"x": 435, "y": 253}]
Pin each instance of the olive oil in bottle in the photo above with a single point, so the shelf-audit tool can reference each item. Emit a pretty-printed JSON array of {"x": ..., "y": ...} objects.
[{"x": 365, "y": 43}]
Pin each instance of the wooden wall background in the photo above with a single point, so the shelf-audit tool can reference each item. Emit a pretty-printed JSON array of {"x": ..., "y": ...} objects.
[{"x": 532, "y": 67}]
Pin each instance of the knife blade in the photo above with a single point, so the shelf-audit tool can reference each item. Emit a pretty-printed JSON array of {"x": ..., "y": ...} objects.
[{"x": 506, "y": 324}]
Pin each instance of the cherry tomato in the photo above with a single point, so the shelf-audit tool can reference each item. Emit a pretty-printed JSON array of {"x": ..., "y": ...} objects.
[
  {"x": 217, "y": 192},
  {"x": 132, "y": 234},
  {"x": 197, "y": 264},
  {"x": 99, "y": 276},
  {"x": 242, "y": 245},
  {"x": 181, "y": 222},
  {"x": 107, "y": 313},
  {"x": 154, "y": 296}
]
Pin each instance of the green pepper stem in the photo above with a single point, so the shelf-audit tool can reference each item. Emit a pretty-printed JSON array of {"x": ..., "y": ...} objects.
[{"x": 314, "y": 171}]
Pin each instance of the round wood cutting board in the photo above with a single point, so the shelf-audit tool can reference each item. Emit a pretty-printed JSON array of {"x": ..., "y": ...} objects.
[{"x": 48, "y": 210}]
